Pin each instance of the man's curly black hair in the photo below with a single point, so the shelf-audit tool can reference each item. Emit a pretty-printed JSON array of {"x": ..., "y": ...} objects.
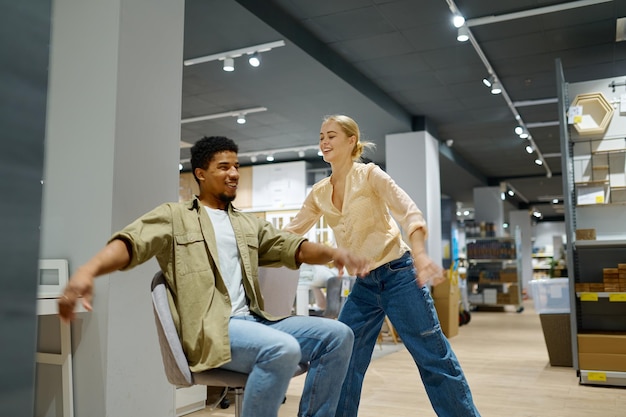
[{"x": 203, "y": 150}]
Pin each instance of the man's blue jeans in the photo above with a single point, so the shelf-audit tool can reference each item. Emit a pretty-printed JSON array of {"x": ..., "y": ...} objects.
[
  {"x": 271, "y": 351},
  {"x": 392, "y": 289}
]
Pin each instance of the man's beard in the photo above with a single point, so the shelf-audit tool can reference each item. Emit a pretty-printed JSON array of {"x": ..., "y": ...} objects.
[{"x": 224, "y": 198}]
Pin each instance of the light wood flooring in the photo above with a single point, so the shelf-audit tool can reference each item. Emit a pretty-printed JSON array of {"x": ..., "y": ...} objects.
[{"x": 505, "y": 359}]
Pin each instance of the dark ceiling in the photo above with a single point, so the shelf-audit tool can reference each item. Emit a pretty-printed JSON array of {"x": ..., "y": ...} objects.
[{"x": 396, "y": 66}]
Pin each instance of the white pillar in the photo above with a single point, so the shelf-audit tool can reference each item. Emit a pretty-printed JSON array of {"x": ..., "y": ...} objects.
[
  {"x": 412, "y": 160},
  {"x": 112, "y": 153},
  {"x": 489, "y": 207},
  {"x": 521, "y": 219}
]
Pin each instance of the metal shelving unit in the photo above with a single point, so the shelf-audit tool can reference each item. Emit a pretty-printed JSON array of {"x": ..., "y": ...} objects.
[
  {"x": 494, "y": 273},
  {"x": 598, "y": 316}
]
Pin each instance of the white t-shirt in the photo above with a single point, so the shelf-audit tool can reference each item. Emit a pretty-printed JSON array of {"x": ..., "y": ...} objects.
[{"x": 228, "y": 257}]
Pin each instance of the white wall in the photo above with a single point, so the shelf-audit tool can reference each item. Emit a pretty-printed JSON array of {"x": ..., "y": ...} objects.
[{"x": 112, "y": 154}]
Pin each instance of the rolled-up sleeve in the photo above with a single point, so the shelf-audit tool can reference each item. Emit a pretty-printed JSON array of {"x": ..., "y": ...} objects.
[
  {"x": 148, "y": 236},
  {"x": 401, "y": 206}
]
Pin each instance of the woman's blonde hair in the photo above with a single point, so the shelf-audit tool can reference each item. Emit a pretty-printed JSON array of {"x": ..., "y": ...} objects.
[{"x": 351, "y": 128}]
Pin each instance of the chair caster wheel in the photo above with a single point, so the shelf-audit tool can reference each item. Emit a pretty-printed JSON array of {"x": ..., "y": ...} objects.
[{"x": 225, "y": 403}]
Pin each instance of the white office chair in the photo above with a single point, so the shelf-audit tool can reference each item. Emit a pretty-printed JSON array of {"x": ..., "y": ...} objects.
[{"x": 174, "y": 360}]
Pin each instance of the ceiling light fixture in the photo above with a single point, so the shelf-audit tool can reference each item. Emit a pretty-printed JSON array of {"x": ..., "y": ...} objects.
[
  {"x": 241, "y": 118},
  {"x": 235, "y": 53},
  {"x": 301, "y": 153},
  {"x": 458, "y": 20},
  {"x": 299, "y": 150},
  {"x": 269, "y": 158},
  {"x": 512, "y": 16},
  {"x": 232, "y": 113},
  {"x": 463, "y": 34},
  {"x": 529, "y": 149},
  {"x": 253, "y": 158},
  {"x": 254, "y": 59},
  {"x": 487, "y": 81},
  {"x": 538, "y": 162},
  {"x": 229, "y": 64},
  {"x": 496, "y": 87}
]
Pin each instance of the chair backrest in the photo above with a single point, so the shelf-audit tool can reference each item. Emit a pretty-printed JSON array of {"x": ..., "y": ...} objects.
[
  {"x": 333, "y": 297},
  {"x": 279, "y": 287},
  {"x": 174, "y": 360}
]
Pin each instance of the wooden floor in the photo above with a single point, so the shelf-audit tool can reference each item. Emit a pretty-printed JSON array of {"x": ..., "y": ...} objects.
[{"x": 505, "y": 359}]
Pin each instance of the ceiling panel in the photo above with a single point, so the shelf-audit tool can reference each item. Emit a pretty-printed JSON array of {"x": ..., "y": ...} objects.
[{"x": 385, "y": 61}]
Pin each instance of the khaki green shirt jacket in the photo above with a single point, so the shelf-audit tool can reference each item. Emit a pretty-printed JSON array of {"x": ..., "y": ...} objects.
[{"x": 181, "y": 237}]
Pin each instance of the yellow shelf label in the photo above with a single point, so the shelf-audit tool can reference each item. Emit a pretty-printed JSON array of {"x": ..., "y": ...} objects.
[
  {"x": 588, "y": 296},
  {"x": 596, "y": 376},
  {"x": 618, "y": 297},
  {"x": 599, "y": 199}
]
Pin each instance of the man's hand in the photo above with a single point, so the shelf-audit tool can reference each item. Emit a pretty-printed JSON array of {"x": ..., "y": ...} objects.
[
  {"x": 80, "y": 285},
  {"x": 358, "y": 265}
]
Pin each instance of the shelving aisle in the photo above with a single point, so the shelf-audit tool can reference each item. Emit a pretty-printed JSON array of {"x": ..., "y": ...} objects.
[{"x": 505, "y": 359}]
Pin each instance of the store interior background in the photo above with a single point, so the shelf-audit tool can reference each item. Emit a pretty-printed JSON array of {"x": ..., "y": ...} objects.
[{"x": 398, "y": 69}]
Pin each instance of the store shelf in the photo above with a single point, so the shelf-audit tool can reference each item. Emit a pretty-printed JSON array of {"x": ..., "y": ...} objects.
[
  {"x": 608, "y": 378},
  {"x": 599, "y": 243}
]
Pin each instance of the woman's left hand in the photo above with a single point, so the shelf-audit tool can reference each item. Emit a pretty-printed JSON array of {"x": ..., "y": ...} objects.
[{"x": 427, "y": 270}]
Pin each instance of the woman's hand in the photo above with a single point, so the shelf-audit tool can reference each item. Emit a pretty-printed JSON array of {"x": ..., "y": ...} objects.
[{"x": 427, "y": 270}]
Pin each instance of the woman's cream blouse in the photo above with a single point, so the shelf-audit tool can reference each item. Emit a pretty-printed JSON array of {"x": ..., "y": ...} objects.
[{"x": 365, "y": 224}]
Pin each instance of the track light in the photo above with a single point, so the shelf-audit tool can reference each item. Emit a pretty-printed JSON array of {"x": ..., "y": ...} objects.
[
  {"x": 269, "y": 158},
  {"x": 529, "y": 149},
  {"x": 496, "y": 88},
  {"x": 487, "y": 81},
  {"x": 301, "y": 154},
  {"x": 538, "y": 162},
  {"x": 253, "y": 159},
  {"x": 458, "y": 20},
  {"x": 263, "y": 47},
  {"x": 229, "y": 64},
  {"x": 519, "y": 130},
  {"x": 463, "y": 34},
  {"x": 320, "y": 153},
  {"x": 511, "y": 193},
  {"x": 241, "y": 119},
  {"x": 524, "y": 134},
  {"x": 254, "y": 59}
]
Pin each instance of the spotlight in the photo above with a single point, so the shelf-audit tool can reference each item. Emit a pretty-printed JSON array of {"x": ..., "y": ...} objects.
[
  {"x": 511, "y": 193},
  {"x": 458, "y": 20},
  {"x": 524, "y": 135},
  {"x": 320, "y": 153},
  {"x": 555, "y": 201},
  {"x": 529, "y": 149},
  {"x": 241, "y": 119},
  {"x": 502, "y": 196},
  {"x": 229, "y": 64},
  {"x": 301, "y": 154},
  {"x": 253, "y": 159},
  {"x": 538, "y": 162},
  {"x": 269, "y": 158},
  {"x": 180, "y": 167},
  {"x": 463, "y": 34},
  {"x": 519, "y": 130},
  {"x": 496, "y": 88},
  {"x": 254, "y": 59},
  {"x": 487, "y": 82}
]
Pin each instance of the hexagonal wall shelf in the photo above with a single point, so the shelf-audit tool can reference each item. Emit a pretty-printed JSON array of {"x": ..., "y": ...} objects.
[{"x": 597, "y": 113}]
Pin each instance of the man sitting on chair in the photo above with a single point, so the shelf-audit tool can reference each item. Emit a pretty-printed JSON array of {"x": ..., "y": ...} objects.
[{"x": 216, "y": 301}]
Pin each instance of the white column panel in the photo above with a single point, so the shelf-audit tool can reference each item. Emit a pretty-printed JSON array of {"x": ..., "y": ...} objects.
[
  {"x": 112, "y": 154},
  {"x": 412, "y": 160}
]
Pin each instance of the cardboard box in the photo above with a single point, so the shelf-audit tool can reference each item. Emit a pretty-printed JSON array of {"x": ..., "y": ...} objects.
[
  {"x": 602, "y": 362},
  {"x": 447, "y": 298},
  {"x": 585, "y": 234}
]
